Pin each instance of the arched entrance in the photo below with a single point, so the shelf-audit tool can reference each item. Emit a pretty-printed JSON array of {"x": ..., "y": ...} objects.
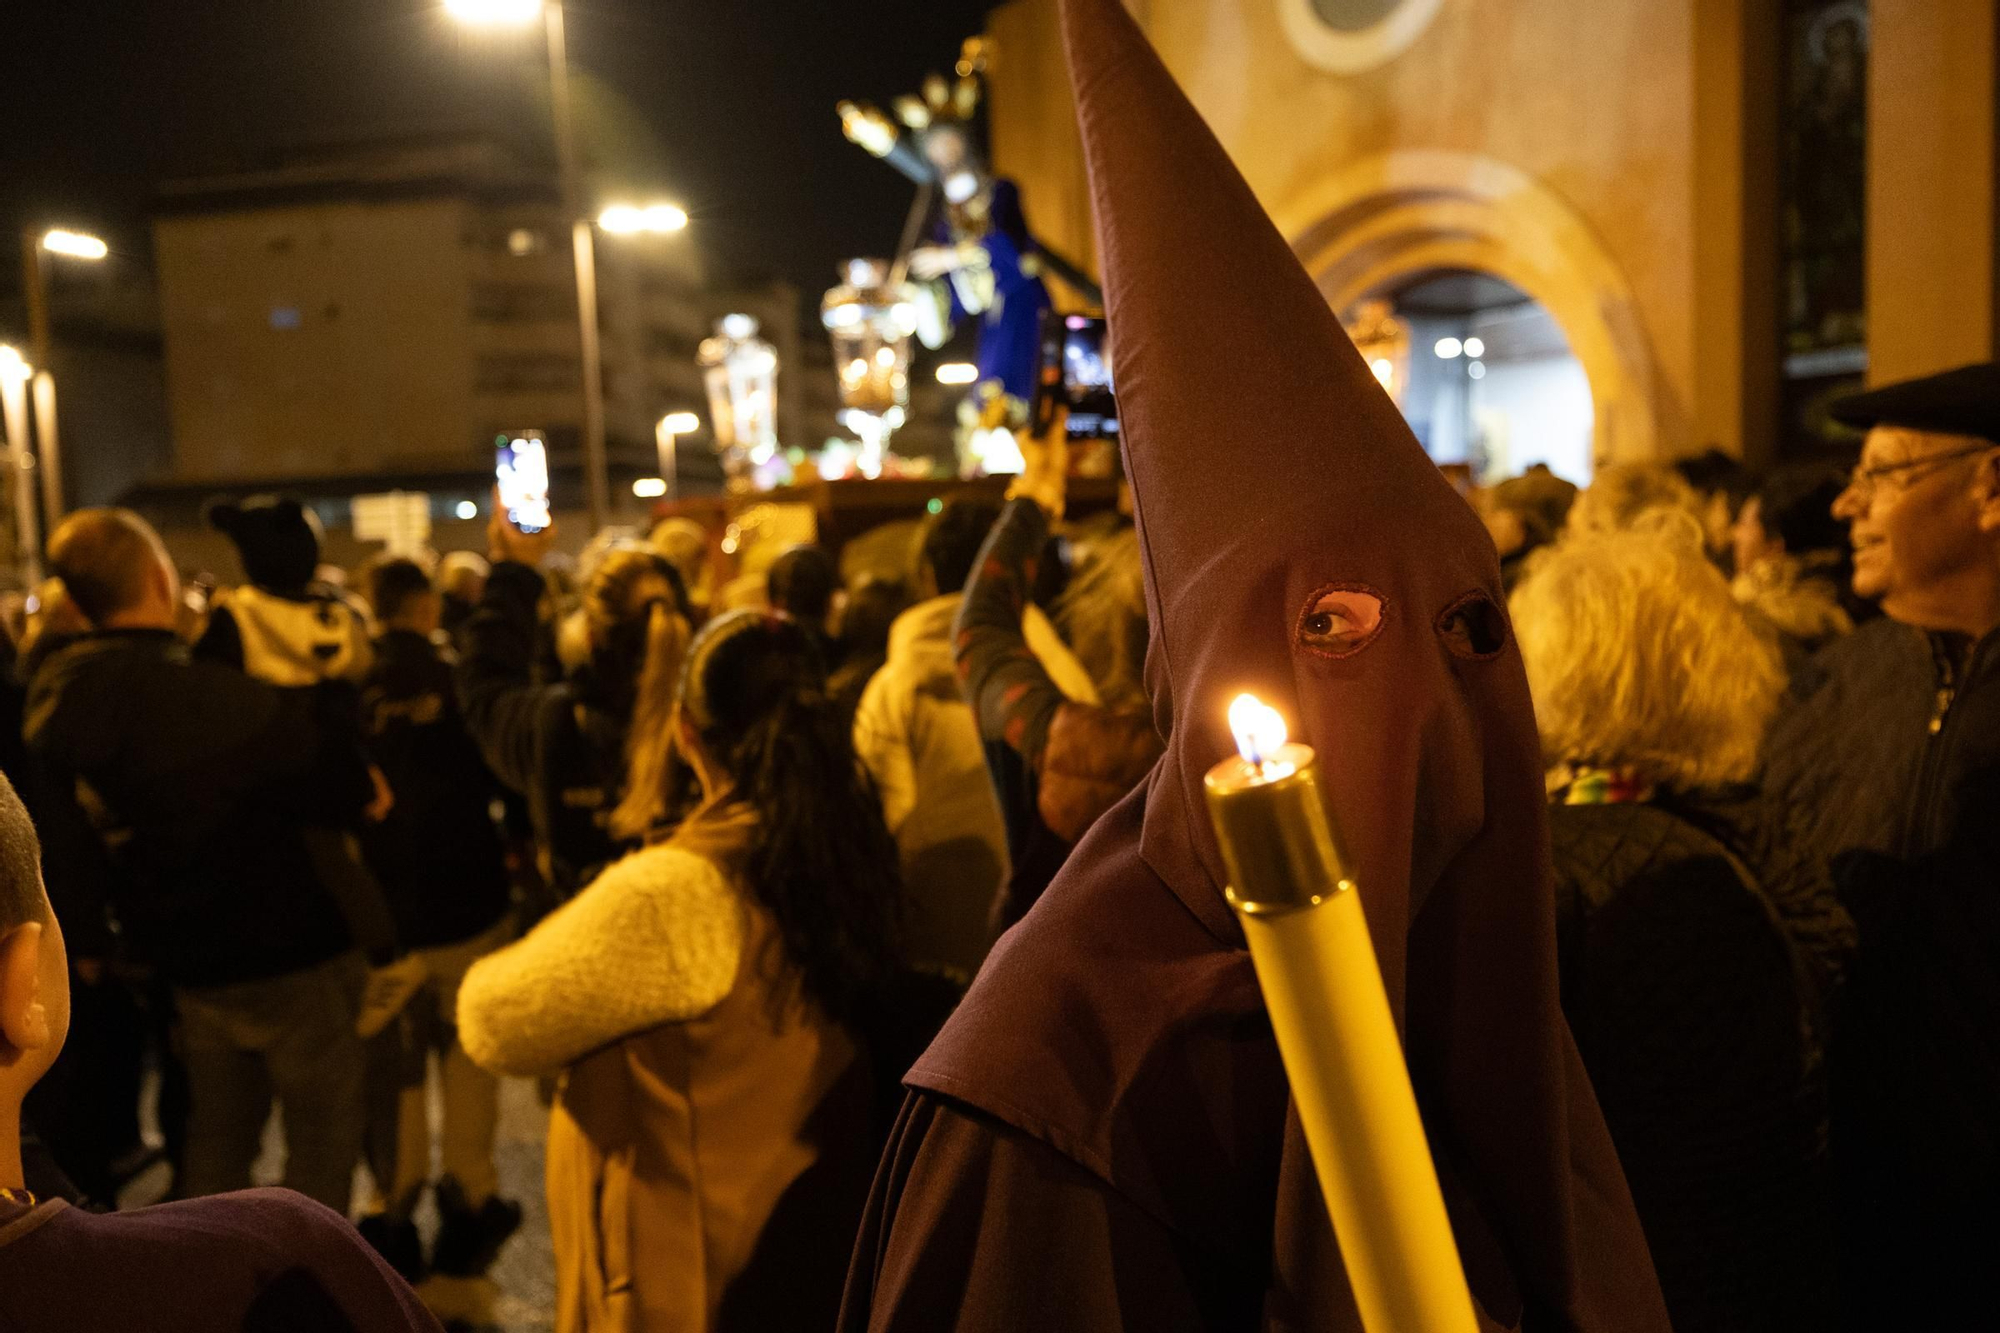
[
  {"x": 1483, "y": 373},
  {"x": 1388, "y": 220}
]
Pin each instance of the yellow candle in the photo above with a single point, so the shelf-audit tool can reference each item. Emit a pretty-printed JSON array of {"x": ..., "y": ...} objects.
[{"x": 1316, "y": 967}]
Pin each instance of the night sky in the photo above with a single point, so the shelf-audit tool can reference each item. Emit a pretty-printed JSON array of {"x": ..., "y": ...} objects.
[{"x": 726, "y": 105}]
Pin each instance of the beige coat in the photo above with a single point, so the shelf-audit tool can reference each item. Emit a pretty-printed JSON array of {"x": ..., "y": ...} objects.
[
  {"x": 709, "y": 1148},
  {"x": 920, "y": 742}
]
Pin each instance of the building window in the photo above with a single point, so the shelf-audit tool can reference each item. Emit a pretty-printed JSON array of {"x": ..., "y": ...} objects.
[
  {"x": 1822, "y": 212},
  {"x": 521, "y": 302},
  {"x": 1350, "y": 36},
  {"x": 527, "y": 372}
]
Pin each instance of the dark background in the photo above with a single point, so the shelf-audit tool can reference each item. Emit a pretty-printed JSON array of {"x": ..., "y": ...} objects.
[{"x": 724, "y": 105}]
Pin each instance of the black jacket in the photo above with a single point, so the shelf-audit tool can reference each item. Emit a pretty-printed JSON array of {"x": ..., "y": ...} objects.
[
  {"x": 554, "y": 742},
  {"x": 201, "y": 781},
  {"x": 1894, "y": 752},
  {"x": 1695, "y": 1016},
  {"x": 437, "y": 854}
]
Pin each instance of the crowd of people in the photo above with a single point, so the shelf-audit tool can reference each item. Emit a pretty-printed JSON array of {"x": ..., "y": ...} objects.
[
  {"x": 861, "y": 927},
  {"x": 718, "y": 875}
]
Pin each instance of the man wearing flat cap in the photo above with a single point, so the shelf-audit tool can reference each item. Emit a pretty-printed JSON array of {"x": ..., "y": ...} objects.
[{"x": 1891, "y": 762}]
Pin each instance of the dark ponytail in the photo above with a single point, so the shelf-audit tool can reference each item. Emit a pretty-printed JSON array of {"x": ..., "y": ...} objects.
[{"x": 822, "y": 861}]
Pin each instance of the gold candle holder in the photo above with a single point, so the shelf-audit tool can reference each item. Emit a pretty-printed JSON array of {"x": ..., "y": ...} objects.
[{"x": 1316, "y": 966}]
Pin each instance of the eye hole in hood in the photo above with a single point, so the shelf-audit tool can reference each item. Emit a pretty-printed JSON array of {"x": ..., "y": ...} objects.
[
  {"x": 1340, "y": 619},
  {"x": 1473, "y": 627}
]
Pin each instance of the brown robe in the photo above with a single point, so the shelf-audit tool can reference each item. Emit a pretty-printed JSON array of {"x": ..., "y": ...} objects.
[{"x": 1102, "y": 1136}]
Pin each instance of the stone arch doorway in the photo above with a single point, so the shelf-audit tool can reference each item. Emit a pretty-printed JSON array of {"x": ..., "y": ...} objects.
[{"x": 1385, "y": 220}]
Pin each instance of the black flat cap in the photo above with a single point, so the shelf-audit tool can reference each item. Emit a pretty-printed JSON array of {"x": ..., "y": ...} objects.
[{"x": 1965, "y": 401}]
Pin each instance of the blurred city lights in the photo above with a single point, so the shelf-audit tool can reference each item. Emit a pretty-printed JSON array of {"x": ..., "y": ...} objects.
[
  {"x": 467, "y": 509},
  {"x": 1447, "y": 348},
  {"x": 1477, "y": 370},
  {"x": 494, "y": 11},
  {"x": 630, "y": 219},
  {"x": 680, "y": 423},
  {"x": 1475, "y": 347},
  {"x": 649, "y": 488},
  {"x": 14, "y": 368},
  {"x": 957, "y": 372},
  {"x": 74, "y": 244},
  {"x": 1384, "y": 371}
]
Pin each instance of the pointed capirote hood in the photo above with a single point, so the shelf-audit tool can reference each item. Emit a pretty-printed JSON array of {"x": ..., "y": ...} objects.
[{"x": 1298, "y": 543}]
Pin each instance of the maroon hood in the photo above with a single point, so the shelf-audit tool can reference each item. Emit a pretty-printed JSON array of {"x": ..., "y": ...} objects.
[
  {"x": 1274, "y": 478},
  {"x": 1297, "y": 544}
]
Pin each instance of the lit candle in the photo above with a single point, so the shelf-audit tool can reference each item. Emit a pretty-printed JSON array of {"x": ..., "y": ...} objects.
[{"x": 1316, "y": 966}]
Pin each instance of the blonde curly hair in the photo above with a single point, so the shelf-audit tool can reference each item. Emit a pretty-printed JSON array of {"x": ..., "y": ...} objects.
[
  {"x": 1638, "y": 656},
  {"x": 1619, "y": 494}
]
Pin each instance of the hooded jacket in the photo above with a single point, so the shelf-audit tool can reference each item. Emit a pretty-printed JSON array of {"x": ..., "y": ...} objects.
[
  {"x": 920, "y": 741},
  {"x": 1102, "y": 1137}
]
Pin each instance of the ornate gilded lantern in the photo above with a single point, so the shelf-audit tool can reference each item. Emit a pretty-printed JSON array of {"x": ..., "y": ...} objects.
[
  {"x": 1384, "y": 343},
  {"x": 870, "y": 321},
  {"x": 740, "y": 370}
]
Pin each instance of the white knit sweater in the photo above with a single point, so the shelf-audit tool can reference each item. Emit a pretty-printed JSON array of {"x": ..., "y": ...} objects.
[{"x": 654, "y": 939}]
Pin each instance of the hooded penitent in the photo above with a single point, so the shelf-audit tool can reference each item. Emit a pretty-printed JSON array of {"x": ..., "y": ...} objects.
[{"x": 1298, "y": 544}]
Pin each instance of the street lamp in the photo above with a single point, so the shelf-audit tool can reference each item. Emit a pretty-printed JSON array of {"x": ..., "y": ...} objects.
[
  {"x": 653, "y": 219},
  {"x": 667, "y": 436},
  {"x": 520, "y": 13},
  {"x": 35, "y": 251}
]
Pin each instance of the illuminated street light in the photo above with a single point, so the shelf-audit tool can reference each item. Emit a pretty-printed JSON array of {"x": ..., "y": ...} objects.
[
  {"x": 957, "y": 372},
  {"x": 14, "y": 368},
  {"x": 494, "y": 13},
  {"x": 654, "y": 219},
  {"x": 520, "y": 13},
  {"x": 36, "y": 249},
  {"x": 1447, "y": 348},
  {"x": 666, "y": 436},
  {"x": 1475, "y": 347},
  {"x": 467, "y": 509},
  {"x": 74, "y": 244}
]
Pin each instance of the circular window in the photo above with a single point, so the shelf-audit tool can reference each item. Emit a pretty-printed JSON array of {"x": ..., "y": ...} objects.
[{"x": 1349, "y": 36}]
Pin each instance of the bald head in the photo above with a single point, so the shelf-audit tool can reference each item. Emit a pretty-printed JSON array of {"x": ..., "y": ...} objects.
[{"x": 115, "y": 568}]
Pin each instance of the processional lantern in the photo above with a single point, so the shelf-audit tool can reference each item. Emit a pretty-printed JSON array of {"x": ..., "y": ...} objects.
[
  {"x": 870, "y": 319},
  {"x": 740, "y": 371}
]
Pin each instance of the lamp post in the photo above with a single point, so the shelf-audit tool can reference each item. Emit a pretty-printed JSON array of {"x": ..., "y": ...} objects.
[
  {"x": 667, "y": 436},
  {"x": 36, "y": 247},
  {"x": 519, "y": 13}
]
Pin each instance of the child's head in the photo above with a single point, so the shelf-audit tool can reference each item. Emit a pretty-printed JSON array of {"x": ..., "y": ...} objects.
[
  {"x": 277, "y": 538},
  {"x": 34, "y": 972}
]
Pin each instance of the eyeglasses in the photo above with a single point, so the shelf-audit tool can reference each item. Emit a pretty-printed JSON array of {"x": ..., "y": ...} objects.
[{"x": 1863, "y": 479}]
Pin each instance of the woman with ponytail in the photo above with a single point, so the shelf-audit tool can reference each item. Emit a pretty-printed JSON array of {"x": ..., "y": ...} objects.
[
  {"x": 564, "y": 743},
  {"x": 711, "y": 1143}
]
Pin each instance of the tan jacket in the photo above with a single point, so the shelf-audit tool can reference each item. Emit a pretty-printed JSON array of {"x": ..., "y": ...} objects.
[
  {"x": 919, "y": 740},
  {"x": 707, "y": 1164}
]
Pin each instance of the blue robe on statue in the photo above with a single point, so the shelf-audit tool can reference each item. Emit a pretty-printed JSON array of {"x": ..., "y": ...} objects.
[{"x": 1010, "y": 329}]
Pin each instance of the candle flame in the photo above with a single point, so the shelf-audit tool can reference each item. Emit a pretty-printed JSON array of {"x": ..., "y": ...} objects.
[{"x": 1259, "y": 728}]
